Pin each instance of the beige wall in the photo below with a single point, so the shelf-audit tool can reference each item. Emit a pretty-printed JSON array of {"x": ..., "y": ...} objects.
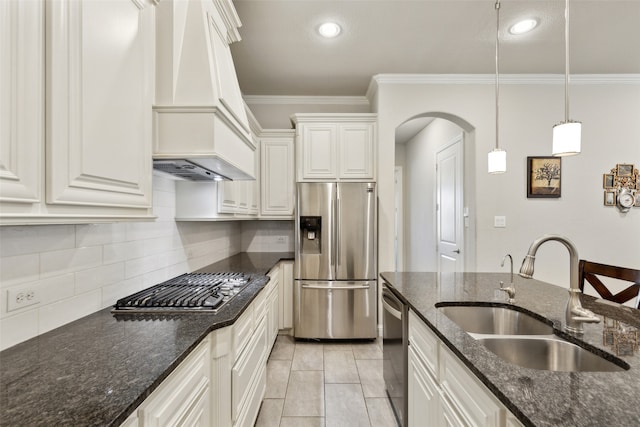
[{"x": 611, "y": 134}]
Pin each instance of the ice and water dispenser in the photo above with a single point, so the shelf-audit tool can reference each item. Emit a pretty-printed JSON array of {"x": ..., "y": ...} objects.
[{"x": 310, "y": 234}]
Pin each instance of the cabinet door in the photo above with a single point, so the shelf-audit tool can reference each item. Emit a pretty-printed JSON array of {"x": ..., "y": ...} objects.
[
  {"x": 285, "y": 290},
  {"x": 277, "y": 180},
  {"x": 21, "y": 105},
  {"x": 246, "y": 369},
  {"x": 100, "y": 68},
  {"x": 356, "y": 142},
  {"x": 472, "y": 400},
  {"x": 184, "y": 395},
  {"x": 228, "y": 194},
  {"x": 319, "y": 151},
  {"x": 424, "y": 403},
  {"x": 274, "y": 317}
]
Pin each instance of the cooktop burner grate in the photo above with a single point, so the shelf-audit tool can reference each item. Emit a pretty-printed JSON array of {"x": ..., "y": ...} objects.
[{"x": 204, "y": 292}]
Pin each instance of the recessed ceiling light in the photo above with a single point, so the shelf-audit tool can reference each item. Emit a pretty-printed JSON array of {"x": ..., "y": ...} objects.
[
  {"x": 329, "y": 29},
  {"x": 523, "y": 26}
]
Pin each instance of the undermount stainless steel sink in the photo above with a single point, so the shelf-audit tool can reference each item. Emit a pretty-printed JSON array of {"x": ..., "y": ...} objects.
[
  {"x": 524, "y": 340},
  {"x": 479, "y": 319},
  {"x": 550, "y": 354}
]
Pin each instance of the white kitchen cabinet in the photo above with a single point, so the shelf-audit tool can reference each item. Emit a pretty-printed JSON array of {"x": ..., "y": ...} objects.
[
  {"x": 334, "y": 147},
  {"x": 356, "y": 157},
  {"x": 184, "y": 397},
  {"x": 277, "y": 174},
  {"x": 424, "y": 403},
  {"x": 318, "y": 147},
  {"x": 86, "y": 70},
  {"x": 245, "y": 375},
  {"x": 21, "y": 107},
  {"x": 285, "y": 291},
  {"x": 273, "y": 304},
  {"x": 442, "y": 389}
]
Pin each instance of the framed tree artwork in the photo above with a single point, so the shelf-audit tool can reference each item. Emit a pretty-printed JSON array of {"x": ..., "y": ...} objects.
[{"x": 543, "y": 177}]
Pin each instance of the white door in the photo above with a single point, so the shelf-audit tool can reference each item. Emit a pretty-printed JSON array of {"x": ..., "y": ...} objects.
[{"x": 449, "y": 191}]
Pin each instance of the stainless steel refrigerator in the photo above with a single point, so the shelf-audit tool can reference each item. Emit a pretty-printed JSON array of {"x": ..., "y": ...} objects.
[{"x": 335, "y": 261}]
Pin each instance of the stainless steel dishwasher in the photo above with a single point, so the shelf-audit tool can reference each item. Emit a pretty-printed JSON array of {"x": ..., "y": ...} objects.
[{"x": 395, "y": 352}]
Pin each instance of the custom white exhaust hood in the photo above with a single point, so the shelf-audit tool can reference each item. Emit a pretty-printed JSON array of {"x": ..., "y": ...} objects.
[{"x": 199, "y": 114}]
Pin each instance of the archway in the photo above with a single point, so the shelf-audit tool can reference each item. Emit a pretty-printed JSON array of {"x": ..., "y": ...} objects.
[{"x": 419, "y": 139}]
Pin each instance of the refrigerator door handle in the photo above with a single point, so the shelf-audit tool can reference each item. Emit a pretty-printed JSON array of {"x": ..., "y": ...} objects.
[
  {"x": 336, "y": 287},
  {"x": 337, "y": 227}
]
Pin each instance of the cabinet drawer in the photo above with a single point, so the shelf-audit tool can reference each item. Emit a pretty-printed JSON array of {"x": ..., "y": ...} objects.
[
  {"x": 424, "y": 343},
  {"x": 260, "y": 304},
  {"x": 241, "y": 331},
  {"x": 475, "y": 403},
  {"x": 245, "y": 369}
]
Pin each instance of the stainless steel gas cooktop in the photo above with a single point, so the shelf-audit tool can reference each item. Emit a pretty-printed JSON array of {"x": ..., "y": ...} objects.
[{"x": 193, "y": 292}]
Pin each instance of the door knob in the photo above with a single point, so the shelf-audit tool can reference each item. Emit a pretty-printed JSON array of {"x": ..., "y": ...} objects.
[{"x": 457, "y": 251}]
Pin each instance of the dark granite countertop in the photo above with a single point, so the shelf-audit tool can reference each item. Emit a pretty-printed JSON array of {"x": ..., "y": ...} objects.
[
  {"x": 535, "y": 397},
  {"x": 96, "y": 370}
]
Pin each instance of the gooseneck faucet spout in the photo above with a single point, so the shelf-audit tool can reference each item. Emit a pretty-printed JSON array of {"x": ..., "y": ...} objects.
[
  {"x": 576, "y": 315},
  {"x": 511, "y": 289}
]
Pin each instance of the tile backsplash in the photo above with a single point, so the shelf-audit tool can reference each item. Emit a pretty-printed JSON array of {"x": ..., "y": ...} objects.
[{"x": 75, "y": 270}]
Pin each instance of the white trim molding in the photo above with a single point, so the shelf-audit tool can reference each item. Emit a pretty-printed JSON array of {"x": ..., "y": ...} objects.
[
  {"x": 305, "y": 100},
  {"x": 513, "y": 79}
]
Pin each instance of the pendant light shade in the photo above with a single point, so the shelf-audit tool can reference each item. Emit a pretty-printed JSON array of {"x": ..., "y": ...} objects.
[
  {"x": 566, "y": 135},
  {"x": 497, "y": 158},
  {"x": 566, "y": 138}
]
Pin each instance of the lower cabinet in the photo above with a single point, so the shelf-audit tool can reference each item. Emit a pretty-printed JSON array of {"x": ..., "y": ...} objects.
[
  {"x": 285, "y": 295},
  {"x": 184, "y": 397},
  {"x": 222, "y": 382},
  {"x": 442, "y": 391}
]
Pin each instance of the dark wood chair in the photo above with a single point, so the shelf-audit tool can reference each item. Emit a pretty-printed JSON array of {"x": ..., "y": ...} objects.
[{"x": 590, "y": 270}]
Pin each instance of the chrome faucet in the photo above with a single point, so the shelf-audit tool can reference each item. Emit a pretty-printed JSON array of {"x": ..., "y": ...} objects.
[
  {"x": 575, "y": 314},
  {"x": 511, "y": 289}
]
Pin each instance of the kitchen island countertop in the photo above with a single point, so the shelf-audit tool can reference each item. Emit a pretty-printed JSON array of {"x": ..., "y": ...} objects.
[
  {"x": 97, "y": 370},
  {"x": 535, "y": 397}
]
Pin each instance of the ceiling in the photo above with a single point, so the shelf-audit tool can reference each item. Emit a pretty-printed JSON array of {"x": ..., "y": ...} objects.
[{"x": 281, "y": 53}]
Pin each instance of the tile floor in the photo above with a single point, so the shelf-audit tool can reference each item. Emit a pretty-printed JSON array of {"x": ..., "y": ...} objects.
[{"x": 325, "y": 384}]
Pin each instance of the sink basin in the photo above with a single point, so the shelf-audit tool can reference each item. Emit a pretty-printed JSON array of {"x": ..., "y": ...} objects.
[
  {"x": 550, "y": 354},
  {"x": 480, "y": 319}
]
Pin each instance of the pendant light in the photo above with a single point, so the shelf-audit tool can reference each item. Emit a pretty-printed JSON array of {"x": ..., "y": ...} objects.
[
  {"x": 567, "y": 134},
  {"x": 497, "y": 158}
]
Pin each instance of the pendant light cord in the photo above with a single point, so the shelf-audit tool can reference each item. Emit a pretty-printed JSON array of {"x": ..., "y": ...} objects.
[
  {"x": 497, "y": 6},
  {"x": 566, "y": 61}
]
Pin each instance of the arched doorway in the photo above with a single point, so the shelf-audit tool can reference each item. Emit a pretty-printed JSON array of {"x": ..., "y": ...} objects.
[{"x": 432, "y": 204}]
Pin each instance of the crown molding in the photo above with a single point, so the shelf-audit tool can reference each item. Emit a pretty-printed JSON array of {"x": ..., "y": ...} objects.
[
  {"x": 507, "y": 79},
  {"x": 305, "y": 100}
]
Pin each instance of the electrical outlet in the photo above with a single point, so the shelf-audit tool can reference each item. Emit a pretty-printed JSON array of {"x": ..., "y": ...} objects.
[
  {"x": 499, "y": 221},
  {"x": 21, "y": 297},
  {"x": 281, "y": 240}
]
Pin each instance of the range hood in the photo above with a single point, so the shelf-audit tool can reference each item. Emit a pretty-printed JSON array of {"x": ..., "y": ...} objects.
[
  {"x": 187, "y": 170},
  {"x": 199, "y": 120}
]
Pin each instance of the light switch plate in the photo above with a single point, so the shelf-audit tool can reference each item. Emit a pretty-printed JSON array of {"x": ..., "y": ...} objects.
[{"x": 499, "y": 221}]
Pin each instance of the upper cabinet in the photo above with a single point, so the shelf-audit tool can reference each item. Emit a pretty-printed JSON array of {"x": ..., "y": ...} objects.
[
  {"x": 277, "y": 180},
  {"x": 77, "y": 91},
  {"x": 199, "y": 113},
  {"x": 334, "y": 147}
]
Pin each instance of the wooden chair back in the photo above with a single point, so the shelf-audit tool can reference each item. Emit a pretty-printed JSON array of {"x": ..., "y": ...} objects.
[{"x": 588, "y": 271}]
